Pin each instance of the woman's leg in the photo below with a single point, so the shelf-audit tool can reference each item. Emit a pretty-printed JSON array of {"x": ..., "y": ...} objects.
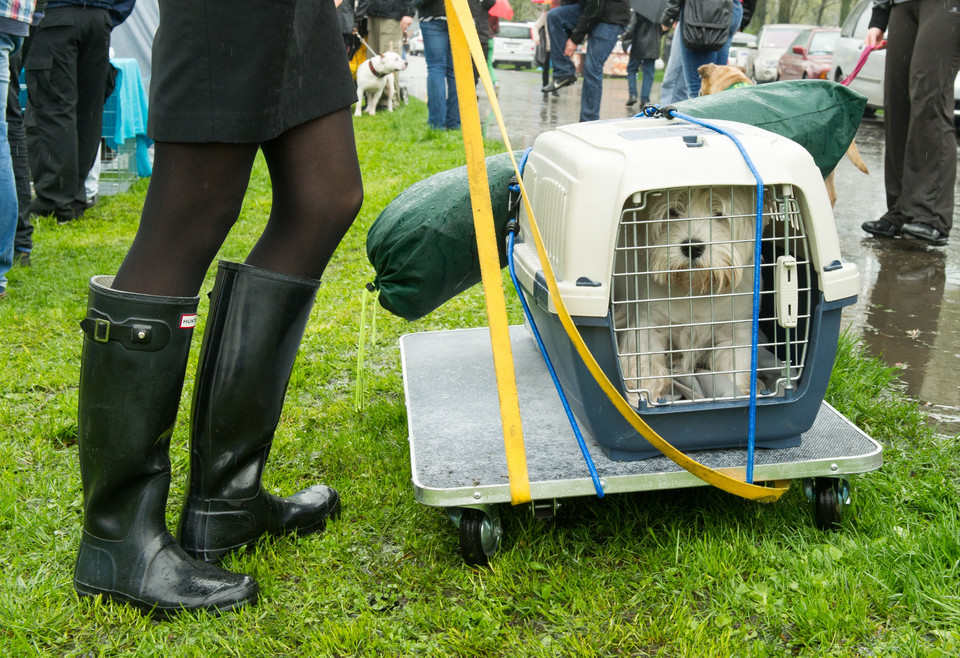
[
  {"x": 258, "y": 313},
  {"x": 194, "y": 198},
  {"x": 317, "y": 193}
]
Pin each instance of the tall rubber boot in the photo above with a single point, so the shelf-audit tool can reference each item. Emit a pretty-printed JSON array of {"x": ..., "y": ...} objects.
[
  {"x": 256, "y": 322},
  {"x": 135, "y": 353}
]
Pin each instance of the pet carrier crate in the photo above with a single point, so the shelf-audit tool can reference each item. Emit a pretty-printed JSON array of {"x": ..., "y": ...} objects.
[
  {"x": 650, "y": 225},
  {"x": 118, "y": 161}
]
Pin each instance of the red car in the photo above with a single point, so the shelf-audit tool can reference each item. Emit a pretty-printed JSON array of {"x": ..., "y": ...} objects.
[{"x": 810, "y": 55}]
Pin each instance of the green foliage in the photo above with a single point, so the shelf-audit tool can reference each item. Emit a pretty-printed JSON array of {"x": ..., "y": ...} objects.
[{"x": 669, "y": 573}]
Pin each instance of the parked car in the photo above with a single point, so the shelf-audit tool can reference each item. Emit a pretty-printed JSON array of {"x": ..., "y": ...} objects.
[
  {"x": 869, "y": 82},
  {"x": 810, "y": 55},
  {"x": 743, "y": 52},
  {"x": 514, "y": 45},
  {"x": 773, "y": 41},
  {"x": 847, "y": 51},
  {"x": 415, "y": 44}
]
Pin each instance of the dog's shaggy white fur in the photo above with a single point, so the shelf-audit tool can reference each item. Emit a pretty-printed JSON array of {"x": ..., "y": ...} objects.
[
  {"x": 685, "y": 273},
  {"x": 374, "y": 78}
]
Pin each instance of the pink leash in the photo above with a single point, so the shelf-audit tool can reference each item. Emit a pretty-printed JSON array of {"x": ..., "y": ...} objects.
[{"x": 863, "y": 60}]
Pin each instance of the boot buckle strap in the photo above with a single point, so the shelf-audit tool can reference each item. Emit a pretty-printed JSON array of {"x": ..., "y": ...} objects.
[
  {"x": 134, "y": 334},
  {"x": 101, "y": 331}
]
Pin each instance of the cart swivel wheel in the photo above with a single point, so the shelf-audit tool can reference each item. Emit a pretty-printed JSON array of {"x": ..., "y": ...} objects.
[
  {"x": 830, "y": 496},
  {"x": 480, "y": 536}
]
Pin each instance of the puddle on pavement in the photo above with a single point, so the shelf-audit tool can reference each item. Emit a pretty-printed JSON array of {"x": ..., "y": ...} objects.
[{"x": 909, "y": 310}]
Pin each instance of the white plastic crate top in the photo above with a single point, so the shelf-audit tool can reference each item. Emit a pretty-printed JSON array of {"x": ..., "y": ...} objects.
[{"x": 579, "y": 178}]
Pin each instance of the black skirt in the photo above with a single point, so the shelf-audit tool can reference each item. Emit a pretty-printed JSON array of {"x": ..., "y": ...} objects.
[{"x": 245, "y": 71}]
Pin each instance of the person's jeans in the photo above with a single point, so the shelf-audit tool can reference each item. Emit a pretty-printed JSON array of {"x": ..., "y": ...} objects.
[
  {"x": 443, "y": 111},
  {"x": 693, "y": 61},
  {"x": 600, "y": 43},
  {"x": 8, "y": 186},
  {"x": 673, "y": 89},
  {"x": 648, "y": 66}
]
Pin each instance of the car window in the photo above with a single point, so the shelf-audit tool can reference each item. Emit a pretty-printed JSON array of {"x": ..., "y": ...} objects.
[
  {"x": 801, "y": 40},
  {"x": 778, "y": 38},
  {"x": 823, "y": 42},
  {"x": 514, "y": 31},
  {"x": 863, "y": 24},
  {"x": 849, "y": 27}
]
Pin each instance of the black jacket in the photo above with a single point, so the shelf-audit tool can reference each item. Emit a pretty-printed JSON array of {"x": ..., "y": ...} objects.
[
  {"x": 395, "y": 9},
  {"x": 599, "y": 11},
  {"x": 642, "y": 37}
]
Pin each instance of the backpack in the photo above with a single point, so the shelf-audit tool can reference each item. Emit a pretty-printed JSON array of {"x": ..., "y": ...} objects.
[{"x": 705, "y": 25}]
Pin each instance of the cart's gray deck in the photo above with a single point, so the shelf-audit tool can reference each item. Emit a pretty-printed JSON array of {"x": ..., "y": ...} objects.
[{"x": 456, "y": 444}]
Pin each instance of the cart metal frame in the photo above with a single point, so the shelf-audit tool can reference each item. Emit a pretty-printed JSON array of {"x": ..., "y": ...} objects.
[{"x": 458, "y": 460}]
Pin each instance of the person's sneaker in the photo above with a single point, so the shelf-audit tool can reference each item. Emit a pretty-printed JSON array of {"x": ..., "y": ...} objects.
[
  {"x": 882, "y": 227},
  {"x": 924, "y": 232},
  {"x": 559, "y": 83},
  {"x": 631, "y": 101},
  {"x": 21, "y": 258}
]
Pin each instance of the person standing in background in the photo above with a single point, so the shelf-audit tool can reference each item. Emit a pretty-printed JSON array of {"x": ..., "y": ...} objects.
[
  {"x": 642, "y": 38},
  {"x": 673, "y": 89},
  {"x": 387, "y": 22},
  {"x": 443, "y": 109},
  {"x": 541, "y": 37},
  {"x": 920, "y": 160},
  {"x": 602, "y": 21},
  {"x": 351, "y": 13},
  {"x": 66, "y": 72},
  {"x": 692, "y": 61},
  {"x": 15, "y": 19}
]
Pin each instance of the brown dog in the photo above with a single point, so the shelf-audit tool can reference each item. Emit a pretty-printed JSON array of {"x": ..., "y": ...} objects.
[{"x": 717, "y": 77}]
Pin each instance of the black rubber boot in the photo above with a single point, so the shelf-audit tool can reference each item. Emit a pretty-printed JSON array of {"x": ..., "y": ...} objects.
[
  {"x": 257, "y": 319},
  {"x": 135, "y": 353}
]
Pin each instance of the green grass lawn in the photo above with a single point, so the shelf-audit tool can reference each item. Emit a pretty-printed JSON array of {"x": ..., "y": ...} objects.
[{"x": 670, "y": 573}]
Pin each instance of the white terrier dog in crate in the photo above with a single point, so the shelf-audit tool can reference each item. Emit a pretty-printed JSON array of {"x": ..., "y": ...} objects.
[
  {"x": 683, "y": 295},
  {"x": 374, "y": 77}
]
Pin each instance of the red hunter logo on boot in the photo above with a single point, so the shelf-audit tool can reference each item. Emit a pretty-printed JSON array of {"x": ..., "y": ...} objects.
[{"x": 188, "y": 321}]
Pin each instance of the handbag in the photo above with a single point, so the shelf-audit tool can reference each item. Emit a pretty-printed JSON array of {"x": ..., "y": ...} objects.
[
  {"x": 705, "y": 24},
  {"x": 540, "y": 54}
]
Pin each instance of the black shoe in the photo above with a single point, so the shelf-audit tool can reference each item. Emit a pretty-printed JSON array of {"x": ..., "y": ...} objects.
[
  {"x": 559, "y": 83},
  {"x": 631, "y": 101},
  {"x": 925, "y": 232},
  {"x": 882, "y": 227},
  {"x": 21, "y": 258}
]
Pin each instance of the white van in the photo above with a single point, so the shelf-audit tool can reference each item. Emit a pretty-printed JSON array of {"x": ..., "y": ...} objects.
[{"x": 514, "y": 45}]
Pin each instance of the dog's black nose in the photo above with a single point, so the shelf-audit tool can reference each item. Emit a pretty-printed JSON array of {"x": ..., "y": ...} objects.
[{"x": 691, "y": 248}]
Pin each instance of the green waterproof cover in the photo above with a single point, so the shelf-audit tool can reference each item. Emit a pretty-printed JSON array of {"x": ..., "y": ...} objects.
[
  {"x": 820, "y": 115},
  {"x": 423, "y": 245}
]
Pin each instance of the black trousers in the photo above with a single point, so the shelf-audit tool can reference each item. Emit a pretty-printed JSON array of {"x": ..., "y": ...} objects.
[
  {"x": 920, "y": 162},
  {"x": 66, "y": 72},
  {"x": 17, "y": 136}
]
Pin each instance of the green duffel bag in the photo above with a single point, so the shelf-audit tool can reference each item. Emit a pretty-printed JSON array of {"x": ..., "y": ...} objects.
[
  {"x": 423, "y": 245},
  {"x": 819, "y": 115}
]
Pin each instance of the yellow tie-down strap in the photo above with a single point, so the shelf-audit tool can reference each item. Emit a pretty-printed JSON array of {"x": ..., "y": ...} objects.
[{"x": 465, "y": 43}]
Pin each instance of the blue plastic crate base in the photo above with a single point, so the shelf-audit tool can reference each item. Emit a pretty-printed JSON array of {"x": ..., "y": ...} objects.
[
  {"x": 456, "y": 442},
  {"x": 118, "y": 167}
]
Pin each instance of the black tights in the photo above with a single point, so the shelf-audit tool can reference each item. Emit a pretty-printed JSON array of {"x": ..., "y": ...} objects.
[{"x": 196, "y": 192}]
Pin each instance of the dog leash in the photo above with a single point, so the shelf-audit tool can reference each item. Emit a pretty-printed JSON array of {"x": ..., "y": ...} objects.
[
  {"x": 367, "y": 45},
  {"x": 466, "y": 44},
  {"x": 863, "y": 60}
]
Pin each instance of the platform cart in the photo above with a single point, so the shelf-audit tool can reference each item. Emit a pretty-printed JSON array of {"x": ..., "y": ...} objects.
[{"x": 457, "y": 451}]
